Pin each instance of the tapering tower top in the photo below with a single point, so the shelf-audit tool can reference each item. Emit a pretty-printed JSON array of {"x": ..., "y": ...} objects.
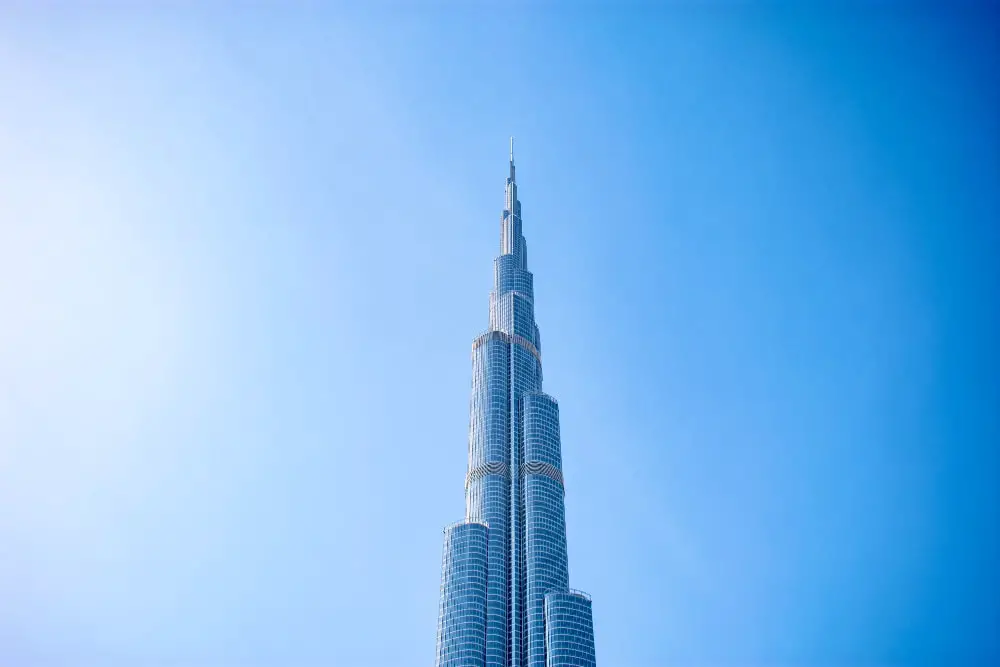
[
  {"x": 511, "y": 241},
  {"x": 512, "y": 159}
]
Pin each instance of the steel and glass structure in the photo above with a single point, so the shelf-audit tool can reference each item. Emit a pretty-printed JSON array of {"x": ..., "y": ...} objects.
[{"x": 505, "y": 596}]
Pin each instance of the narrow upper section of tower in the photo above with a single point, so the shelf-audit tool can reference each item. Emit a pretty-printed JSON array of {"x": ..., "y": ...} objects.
[
  {"x": 511, "y": 160},
  {"x": 511, "y": 241},
  {"x": 510, "y": 199}
]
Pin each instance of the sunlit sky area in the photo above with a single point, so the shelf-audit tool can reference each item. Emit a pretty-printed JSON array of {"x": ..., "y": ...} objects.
[{"x": 245, "y": 248}]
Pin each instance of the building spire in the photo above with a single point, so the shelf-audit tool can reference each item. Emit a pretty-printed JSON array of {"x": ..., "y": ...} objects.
[
  {"x": 512, "y": 159},
  {"x": 511, "y": 241}
]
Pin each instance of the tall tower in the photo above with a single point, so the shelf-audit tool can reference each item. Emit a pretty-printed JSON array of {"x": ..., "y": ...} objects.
[{"x": 505, "y": 596}]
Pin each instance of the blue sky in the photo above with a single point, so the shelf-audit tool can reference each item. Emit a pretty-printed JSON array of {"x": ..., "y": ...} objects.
[{"x": 243, "y": 255}]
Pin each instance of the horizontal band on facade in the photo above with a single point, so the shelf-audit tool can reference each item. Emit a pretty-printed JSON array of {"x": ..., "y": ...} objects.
[
  {"x": 528, "y": 345},
  {"x": 539, "y": 468},
  {"x": 521, "y": 294},
  {"x": 465, "y": 522},
  {"x": 488, "y": 336},
  {"x": 577, "y": 593},
  {"x": 493, "y": 468},
  {"x": 502, "y": 469},
  {"x": 507, "y": 338}
]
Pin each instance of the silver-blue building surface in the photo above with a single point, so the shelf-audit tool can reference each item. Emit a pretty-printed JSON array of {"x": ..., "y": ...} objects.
[{"x": 505, "y": 596}]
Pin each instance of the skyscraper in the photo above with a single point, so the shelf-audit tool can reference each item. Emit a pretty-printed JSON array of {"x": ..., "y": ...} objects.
[{"x": 505, "y": 596}]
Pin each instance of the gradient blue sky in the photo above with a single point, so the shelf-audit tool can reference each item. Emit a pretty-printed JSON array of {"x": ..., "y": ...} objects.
[{"x": 243, "y": 255}]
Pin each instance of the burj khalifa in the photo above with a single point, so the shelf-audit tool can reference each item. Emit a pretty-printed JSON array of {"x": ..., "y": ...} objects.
[{"x": 505, "y": 596}]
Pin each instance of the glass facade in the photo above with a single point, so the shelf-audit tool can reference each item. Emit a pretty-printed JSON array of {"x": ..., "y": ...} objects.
[
  {"x": 569, "y": 630},
  {"x": 505, "y": 597},
  {"x": 461, "y": 640}
]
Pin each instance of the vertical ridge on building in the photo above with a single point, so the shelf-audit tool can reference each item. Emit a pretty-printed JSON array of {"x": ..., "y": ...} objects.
[{"x": 505, "y": 596}]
